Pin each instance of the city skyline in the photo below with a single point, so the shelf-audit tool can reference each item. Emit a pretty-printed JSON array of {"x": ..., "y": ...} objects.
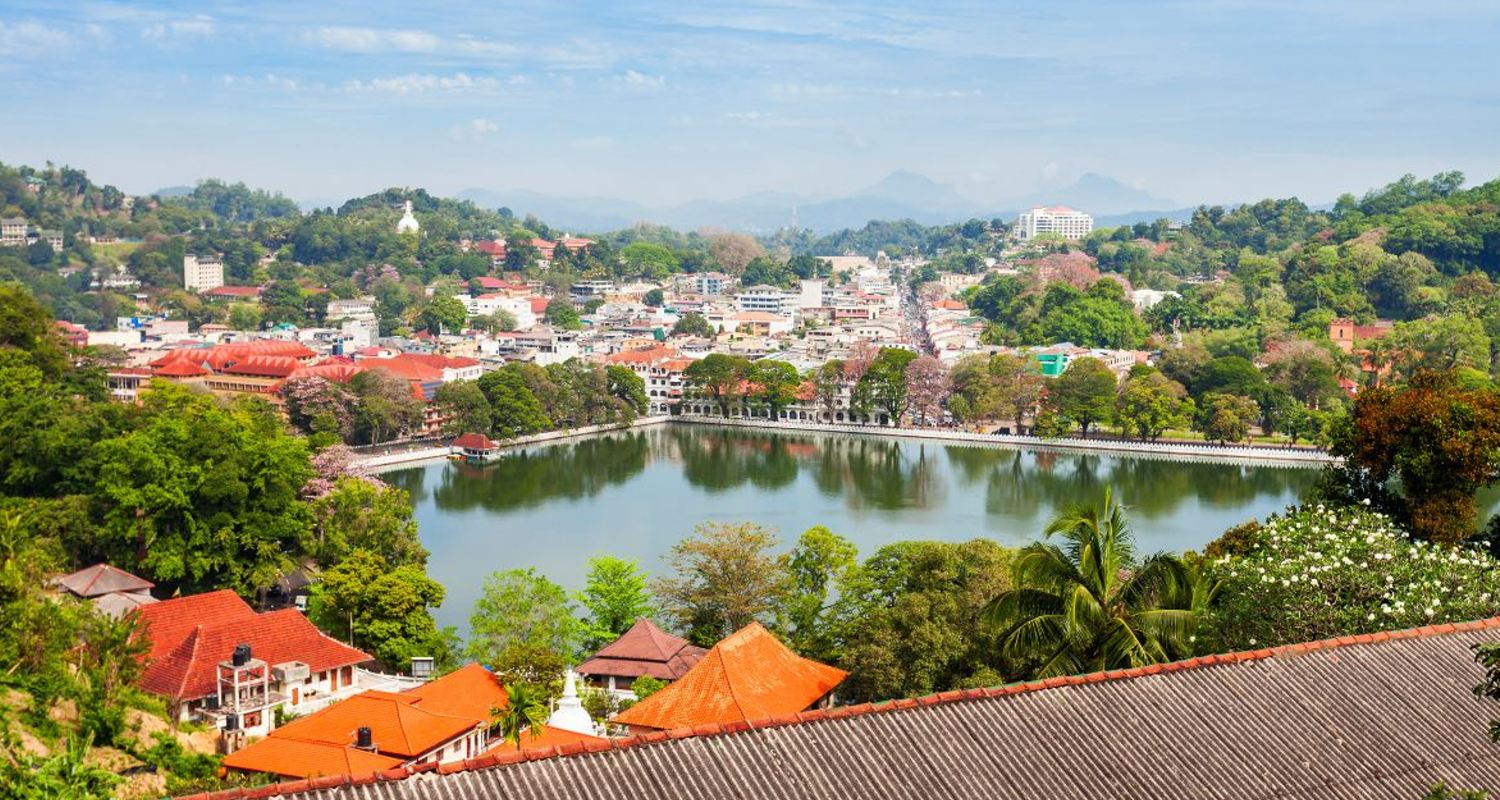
[{"x": 1202, "y": 102}]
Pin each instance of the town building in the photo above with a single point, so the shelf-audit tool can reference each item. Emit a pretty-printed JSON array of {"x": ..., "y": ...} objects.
[
  {"x": 408, "y": 222},
  {"x": 474, "y": 447},
  {"x": 112, "y": 590},
  {"x": 216, "y": 661},
  {"x": 13, "y": 232},
  {"x": 661, "y": 368},
  {"x": 644, "y": 651},
  {"x": 769, "y": 299},
  {"x": 1347, "y": 335},
  {"x": 712, "y": 283},
  {"x": 748, "y": 675},
  {"x": 202, "y": 274},
  {"x": 1061, "y": 220}
]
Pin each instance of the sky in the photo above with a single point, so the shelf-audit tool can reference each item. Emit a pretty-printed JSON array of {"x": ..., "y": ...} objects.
[{"x": 666, "y": 101}]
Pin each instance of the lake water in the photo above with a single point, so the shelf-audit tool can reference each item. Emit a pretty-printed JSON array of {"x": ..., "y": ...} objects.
[{"x": 634, "y": 494}]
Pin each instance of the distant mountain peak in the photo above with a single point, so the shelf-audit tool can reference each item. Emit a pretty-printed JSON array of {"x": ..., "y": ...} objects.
[{"x": 1098, "y": 195}]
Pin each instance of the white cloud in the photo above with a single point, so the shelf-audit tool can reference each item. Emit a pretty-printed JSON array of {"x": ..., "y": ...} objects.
[
  {"x": 280, "y": 82},
  {"x": 475, "y": 130},
  {"x": 371, "y": 40},
  {"x": 28, "y": 39},
  {"x": 421, "y": 83},
  {"x": 199, "y": 27},
  {"x": 640, "y": 81}
]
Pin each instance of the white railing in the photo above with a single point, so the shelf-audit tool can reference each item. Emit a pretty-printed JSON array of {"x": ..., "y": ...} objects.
[
  {"x": 371, "y": 461},
  {"x": 1301, "y": 455}
]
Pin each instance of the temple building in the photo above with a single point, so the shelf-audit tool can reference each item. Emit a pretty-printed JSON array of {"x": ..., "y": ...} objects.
[
  {"x": 643, "y": 651},
  {"x": 748, "y": 676},
  {"x": 408, "y": 223}
]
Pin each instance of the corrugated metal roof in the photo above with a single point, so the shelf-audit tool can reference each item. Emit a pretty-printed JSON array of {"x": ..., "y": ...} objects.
[{"x": 1383, "y": 716}]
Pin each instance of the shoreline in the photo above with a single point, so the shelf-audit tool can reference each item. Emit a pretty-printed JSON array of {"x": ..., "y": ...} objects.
[
  {"x": 1259, "y": 455},
  {"x": 375, "y": 463}
]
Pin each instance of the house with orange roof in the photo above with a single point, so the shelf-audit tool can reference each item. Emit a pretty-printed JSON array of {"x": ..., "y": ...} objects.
[
  {"x": 661, "y": 368},
  {"x": 443, "y": 721},
  {"x": 749, "y": 675},
  {"x": 643, "y": 651},
  {"x": 215, "y": 660}
]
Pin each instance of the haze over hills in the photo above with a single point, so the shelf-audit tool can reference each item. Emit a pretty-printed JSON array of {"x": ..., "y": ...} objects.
[{"x": 900, "y": 195}]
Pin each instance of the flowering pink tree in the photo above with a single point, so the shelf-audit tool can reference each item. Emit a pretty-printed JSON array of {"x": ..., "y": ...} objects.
[
  {"x": 928, "y": 386},
  {"x": 317, "y": 405}
]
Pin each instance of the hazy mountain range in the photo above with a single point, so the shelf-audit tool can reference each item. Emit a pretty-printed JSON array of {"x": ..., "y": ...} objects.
[{"x": 899, "y": 195}]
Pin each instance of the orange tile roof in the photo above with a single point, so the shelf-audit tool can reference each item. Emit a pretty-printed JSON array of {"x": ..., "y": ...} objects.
[
  {"x": 180, "y": 368},
  {"x": 645, "y": 355},
  {"x": 399, "y": 727},
  {"x": 551, "y": 737},
  {"x": 470, "y": 691},
  {"x": 187, "y": 669},
  {"x": 404, "y": 368},
  {"x": 298, "y": 759},
  {"x": 645, "y": 649},
  {"x": 748, "y": 675}
]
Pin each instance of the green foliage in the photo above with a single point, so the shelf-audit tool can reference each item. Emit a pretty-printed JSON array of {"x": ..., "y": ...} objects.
[
  {"x": 645, "y": 686},
  {"x": 721, "y": 579},
  {"x": 384, "y": 407},
  {"x": 1488, "y": 656},
  {"x": 514, "y": 408},
  {"x": 1323, "y": 571},
  {"x": 359, "y": 514},
  {"x": 821, "y": 563},
  {"x": 1226, "y": 418},
  {"x": 1151, "y": 404},
  {"x": 521, "y": 612},
  {"x": 717, "y": 377},
  {"x": 524, "y": 715},
  {"x": 444, "y": 314},
  {"x": 693, "y": 324},
  {"x": 65, "y": 774},
  {"x": 615, "y": 595},
  {"x": 883, "y": 387},
  {"x": 466, "y": 407},
  {"x": 383, "y": 609},
  {"x": 1091, "y": 605},
  {"x": 1084, "y": 394},
  {"x": 560, "y": 313}
]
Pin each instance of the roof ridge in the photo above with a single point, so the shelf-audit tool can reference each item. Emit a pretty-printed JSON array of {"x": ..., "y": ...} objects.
[{"x": 508, "y": 757}]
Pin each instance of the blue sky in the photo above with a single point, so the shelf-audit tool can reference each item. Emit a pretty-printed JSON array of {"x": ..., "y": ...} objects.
[{"x": 1201, "y": 100}]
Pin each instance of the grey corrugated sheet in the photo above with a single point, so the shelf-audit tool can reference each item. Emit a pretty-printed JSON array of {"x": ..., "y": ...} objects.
[{"x": 1358, "y": 721}]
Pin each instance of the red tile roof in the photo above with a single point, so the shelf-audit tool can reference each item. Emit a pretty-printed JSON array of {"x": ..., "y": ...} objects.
[
  {"x": 397, "y": 724},
  {"x": 264, "y": 366},
  {"x": 188, "y": 640},
  {"x": 748, "y": 675},
  {"x": 474, "y": 441},
  {"x": 180, "y": 368},
  {"x": 299, "y": 759},
  {"x": 103, "y": 579},
  {"x": 645, "y": 649}
]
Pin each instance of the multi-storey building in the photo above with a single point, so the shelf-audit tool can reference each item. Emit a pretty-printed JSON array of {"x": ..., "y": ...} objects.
[
  {"x": 202, "y": 274},
  {"x": 1066, "y": 222}
]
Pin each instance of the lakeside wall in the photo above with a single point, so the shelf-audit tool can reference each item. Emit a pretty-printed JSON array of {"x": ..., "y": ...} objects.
[
  {"x": 1239, "y": 453},
  {"x": 373, "y": 459}
]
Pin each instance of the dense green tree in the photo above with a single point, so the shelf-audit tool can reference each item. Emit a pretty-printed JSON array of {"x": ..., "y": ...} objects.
[
  {"x": 560, "y": 313},
  {"x": 654, "y": 298},
  {"x": 718, "y": 377},
  {"x": 820, "y": 564},
  {"x": 465, "y": 407},
  {"x": 522, "y": 611},
  {"x": 384, "y": 407},
  {"x": 693, "y": 324},
  {"x": 360, "y": 514},
  {"x": 629, "y": 389},
  {"x": 514, "y": 408},
  {"x": 382, "y": 608},
  {"x": 1151, "y": 404},
  {"x": 650, "y": 260},
  {"x": 883, "y": 386},
  {"x": 721, "y": 579},
  {"x": 773, "y": 384},
  {"x": 615, "y": 595},
  {"x": 1226, "y": 418},
  {"x": 1084, "y": 394},
  {"x": 1091, "y": 605},
  {"x": 444, "y": 314}
]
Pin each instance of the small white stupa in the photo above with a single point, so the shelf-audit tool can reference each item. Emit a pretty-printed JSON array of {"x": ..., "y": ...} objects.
[
  {"x": 408, "y": 223},
  {"x": 570, "y": 714}
]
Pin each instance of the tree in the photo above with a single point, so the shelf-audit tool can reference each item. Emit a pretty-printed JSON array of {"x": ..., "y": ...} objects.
[
  {"x": 525, "y": 712},
  {"x": 723, "y": 577},
  {"x": 654, "y": 298},
  {"x": 1225, "y": 418},
  {"x": 1304, "y": 370},
  {"x": 560, "y": 313},
  {"x": 464, "y": 407},
  {"x": 629, "y": 389},
  {"x": 650, "y": 260},
  {"x": 362, "y": 514},
  {"x": 820, "y": 563},
  {"x": 1439, "y": 344},
  {"x": 1090, "y": 606},
  {"x": 883, "y": 385},
  {"x": 1421, "y": 452},
  {"x": 316, "y": 405},
  {"x": 1151, "y": 404},
  {"x": 1018, "y": 386},
  {"x": 521, "y": 610},
  {"x": 615, "y": 595},
  {"x": 444, "y": 314},
  {"x": 383, "y": 609},
  {"x": 717, "y": 377},
  {"x": 928, "y": 385},
  {"x": 734, "y": 251},
  {"x": 773, "y": 384},
  {"x": 1228, "y": 375},
  {"x": 693, "y": 324},
  {"x": 829, "y": 384},
  {"x": 384, "y": 406},
  {"x": 514, "y": 409},
  {"x": 1084, "y": 394}
]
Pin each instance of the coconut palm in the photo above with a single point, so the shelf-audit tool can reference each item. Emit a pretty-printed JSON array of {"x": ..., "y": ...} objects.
[
  {"x": 525, "y": 711},
  {"x": 1088, "y": 605}
]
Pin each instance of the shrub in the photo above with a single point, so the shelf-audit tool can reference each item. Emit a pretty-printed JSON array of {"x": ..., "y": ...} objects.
[{"x": 1322, "y": 571}]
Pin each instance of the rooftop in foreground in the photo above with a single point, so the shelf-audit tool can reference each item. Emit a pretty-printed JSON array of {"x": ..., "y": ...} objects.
[{"x": 1383, "y": 715}]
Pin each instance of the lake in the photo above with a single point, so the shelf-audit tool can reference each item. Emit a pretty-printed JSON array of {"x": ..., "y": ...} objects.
[{"x": 634, "y": 494}]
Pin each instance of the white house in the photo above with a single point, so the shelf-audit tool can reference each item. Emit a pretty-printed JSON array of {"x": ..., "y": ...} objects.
[
  {"x": 1066, "y": 222},
  {"x": 202, "y": 274}
]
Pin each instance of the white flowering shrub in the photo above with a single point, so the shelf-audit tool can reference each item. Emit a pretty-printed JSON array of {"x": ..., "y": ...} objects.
[{"x": 1323, "y": 571}]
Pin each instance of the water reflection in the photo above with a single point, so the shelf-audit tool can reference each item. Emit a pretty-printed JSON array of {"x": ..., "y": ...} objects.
[{"x": 634, "y": 494}]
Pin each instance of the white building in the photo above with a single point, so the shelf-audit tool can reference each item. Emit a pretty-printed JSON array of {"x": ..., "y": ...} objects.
[
  {"x": 356, "y": 308},
  {"x": 408, "y": 223},
  {"x": 12, "y": 232},
  {"x": 762, "y": 298},
  {"x": 202, "y": 274},
  {"x": 712, "y": 283},
  {"x": 1066, "y": 222},
  {"x": 487, "y": 304}
]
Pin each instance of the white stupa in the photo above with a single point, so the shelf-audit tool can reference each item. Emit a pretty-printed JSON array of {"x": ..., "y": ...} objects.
[
  {"x": 408, "y": 223},
  {"x": 570, "y": 714}
]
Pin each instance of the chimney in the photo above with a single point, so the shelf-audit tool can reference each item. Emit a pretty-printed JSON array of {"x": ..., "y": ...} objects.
[
  {"x": 241, "y": 655},
  {"x": 363, "y": 740}
]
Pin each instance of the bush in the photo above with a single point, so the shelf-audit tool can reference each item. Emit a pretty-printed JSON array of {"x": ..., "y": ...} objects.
[{"x": 1322, "y": 571}]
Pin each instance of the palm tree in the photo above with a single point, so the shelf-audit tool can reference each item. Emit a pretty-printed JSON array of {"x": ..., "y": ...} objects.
[
  {"x": 1088, "y": 605},
  {"x": 525, "y": 712}
]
